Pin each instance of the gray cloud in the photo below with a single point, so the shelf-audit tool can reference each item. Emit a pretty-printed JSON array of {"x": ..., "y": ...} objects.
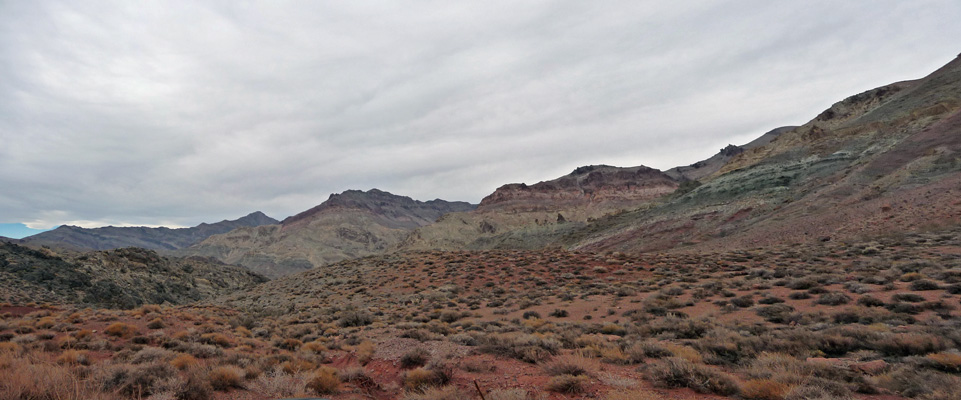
[{"x": 181, "y": 112}]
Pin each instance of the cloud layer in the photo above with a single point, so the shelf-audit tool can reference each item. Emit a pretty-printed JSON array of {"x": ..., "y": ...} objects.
[{"x": 175, "y": 113}]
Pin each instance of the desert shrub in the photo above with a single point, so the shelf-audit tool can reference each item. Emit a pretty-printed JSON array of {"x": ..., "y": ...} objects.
[
  {"x": 904, "y": 308},
  {"x": 225, "y": 377},
  {"x": 777, "y": 313},
  {"x": 528, "y": 348},
  {"x": 357, "y": 376},
  {"x": 799, "y": 295},
  {"x": 156, "y": 323},
  {"x": 324, "y": 381},
  {"x": 416, "y": 357},
  {"x": 364, "y": 352},
  {"x": 314, "y": 347},
  {"x": 611, "y": 328},
  {"x": 927, "y": 384},
  {"x": 870, "y": 301},
  {"x": 121, "y": 329},
  {"x": 183, "y": 361},
  {"x": 217, "y": 339},
  {"x": 944, "y": 361},
  {"x": 290, "y": 344},
  {"x": 923, "y": 284},
  {"x": 764, "y": 389},
  {"x": 911, "y": 277},
  {"x": 814, "y": 390},
  {"x": 136, "y": 381},
  {"x": 450, "y": 392},
  {"x": 770, "y": 300},
  {"x": 558, "y": 313},
  {"x": 531, "y": 314},
  {"x": 802, "y": 283},
  {"x": 908, "y": 297},
  {"x": 909, "y": 344},
  {"x": 73, "y": 357},
  {"x": 24, "y": 380},
  {"x": 296, "y": 366},
  {"x": 419, "y": 379},
  {"x": 654, "y": 349},
  {"x": 571, "y": 365},
  {"x": 833, "y": 299},
  {"x": 149, "y": 354},
  {"x": 196, "y": 387},
  {"x": 278, "y": 384},
  {"x": 676, "y": 372},
  {"x": 569, "y": 384},
  {"x": 463, "y": 339},
  {"x": 351, "y": 318}
]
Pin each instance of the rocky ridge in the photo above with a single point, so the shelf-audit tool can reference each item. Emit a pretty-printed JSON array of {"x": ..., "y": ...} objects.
[{"x": 122, "y": 278}]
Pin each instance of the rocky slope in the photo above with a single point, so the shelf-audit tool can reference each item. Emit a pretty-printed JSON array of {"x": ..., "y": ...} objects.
[
  {"x": 884, "y": 161},
  {"x": 348, "y": 225},
  {"x": 523, "y": 216},
  {"x": 111, "y": 237},
  {"x": 122, "y": 278},
  {"x": 710, "y": 166}
]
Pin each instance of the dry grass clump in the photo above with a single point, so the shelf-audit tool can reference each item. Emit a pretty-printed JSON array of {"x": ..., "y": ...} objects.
[
  {"x": 324, "y": 381},
  {"x": 24, "y": 380},
  {"x": 225, "y": 377},
  {"x": 947, "y": 362},
  {"x": 217, "y": 339},
  {"x": 364, "y": 352},
  {"x": 764, "y": 389},
  {"x": 73, "y": 357},
  {"x": 279, "y": 384},
  {"x": 120, "y": 329},
  {"x": 909, "y": 344},
  {"x": 449, "y": 392},
  {"x": 290, "y": 344},
  {"x": 184, "y": 361},
  {"x": 673, "y": 372},
  {"x": 156, "y": 323},
  {"x": 420, "y": 379},
  {"x": 908, "y": 382},
  {"x": 415, "y": 357},
  {"x": 571, "y": 365},
  {"x": 568, "y": 384}
]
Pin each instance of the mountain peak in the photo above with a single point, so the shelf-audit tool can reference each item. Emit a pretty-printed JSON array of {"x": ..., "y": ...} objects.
[{"x": 378, "y": 202}]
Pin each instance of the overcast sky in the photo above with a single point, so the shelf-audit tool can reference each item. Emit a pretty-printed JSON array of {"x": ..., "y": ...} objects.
[{"x": 175, "y": 113}]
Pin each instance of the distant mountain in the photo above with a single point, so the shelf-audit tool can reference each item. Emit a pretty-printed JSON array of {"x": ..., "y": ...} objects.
[
  {"x": 883, "y": 162},
  {"x": 107, "y": 238},
  {"x": 520, "y": 216},
  {"x": 348, "y": 225},
  {"x": 123, "y": 278}
]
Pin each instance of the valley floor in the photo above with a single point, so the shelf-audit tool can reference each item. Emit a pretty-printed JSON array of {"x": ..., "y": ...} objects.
[{"x": 876, "y": 319}]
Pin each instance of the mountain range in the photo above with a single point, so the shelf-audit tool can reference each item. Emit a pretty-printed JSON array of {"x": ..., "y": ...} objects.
[
  {"x": 885, "y": 160},
  {"x": 111, "y": 237}
]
